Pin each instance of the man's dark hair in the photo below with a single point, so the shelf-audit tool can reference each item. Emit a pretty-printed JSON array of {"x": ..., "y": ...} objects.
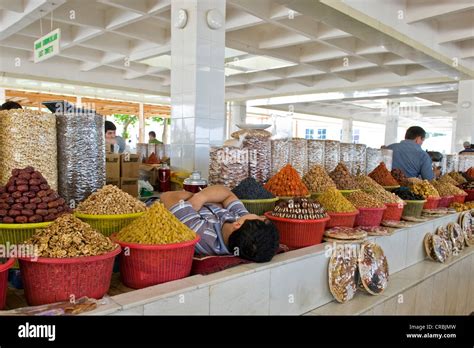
[
  {"x": 109, "y": 126},
  {"x": 255, "y": 240},
  {"x": 10, "y": 105},
  {"x": 414, "y": 132},
  {"x": 153, "y": 134}
]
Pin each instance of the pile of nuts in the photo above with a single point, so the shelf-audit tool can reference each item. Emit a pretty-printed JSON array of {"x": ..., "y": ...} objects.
[
  {"x": 28, "y": 138},
  {"x": 317, "y": 179},
  {"x": 27, "y": 198},
  {"x": 424, "y": 189},
  {"x": 157, "y": 226},
  {"x": 333, "y": 201},
  {"x": 343, "y": 178},
  {"x": 70, "y": 237},
  {"x": 367, "y": 184},
  {"x": 400, "y": 176},
  {"x": 445, "y": 189},
  {"x": 383, "y": 176},
  {"x": 448, "y": 180},
  {"x": 458, "y": 177},
  {"x": 299, "y": 209},
  {"x": 363, "y": 200},
  {"x": 462, "y": 206},
  {"x": 287, "y": 183},
  {"x": 110, "y": 200}
]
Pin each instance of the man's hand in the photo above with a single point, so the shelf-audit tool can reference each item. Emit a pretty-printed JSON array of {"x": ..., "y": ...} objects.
[
  {"x": 169, "y": 199},
  {"x": 214, "y": 194}
]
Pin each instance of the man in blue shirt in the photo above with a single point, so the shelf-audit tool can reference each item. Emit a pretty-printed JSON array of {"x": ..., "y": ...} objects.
[{"x": 409, "y": 157}]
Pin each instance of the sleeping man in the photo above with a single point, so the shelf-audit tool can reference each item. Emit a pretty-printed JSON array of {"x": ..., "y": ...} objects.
[{"x": 223, "y": 223}]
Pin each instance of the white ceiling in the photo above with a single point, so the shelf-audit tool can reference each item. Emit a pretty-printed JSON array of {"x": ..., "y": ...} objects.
[{"x": 274, "y": 47}]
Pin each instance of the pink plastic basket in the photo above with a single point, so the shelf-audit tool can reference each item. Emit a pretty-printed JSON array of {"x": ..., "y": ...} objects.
[
  {"x": 299, "y": 233},
  {"x": 445, "y": 201},
  {"x": 370, "y": 216},
  {"x": 342, "y": 219},
  {"x": 143, "y": 265},
  {"x": 4, "y": 267},
  {"x": 431, "y": 203},
  {"x": 393, "y": 212}
]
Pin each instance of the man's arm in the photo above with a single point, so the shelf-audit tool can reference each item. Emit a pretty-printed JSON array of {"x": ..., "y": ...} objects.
[
  {"x": 171, "y": 198},
  {"x": 213, "y": 194},
  {"x": 427, "y": 168}
]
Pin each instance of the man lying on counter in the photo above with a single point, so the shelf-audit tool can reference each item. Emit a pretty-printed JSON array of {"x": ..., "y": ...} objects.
[{"x": 223, "y": 223}]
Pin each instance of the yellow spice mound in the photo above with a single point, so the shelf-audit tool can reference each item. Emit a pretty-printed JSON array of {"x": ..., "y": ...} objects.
[
  {"x": 157, "y": 226},
  {"x": 334, "y": 202}
]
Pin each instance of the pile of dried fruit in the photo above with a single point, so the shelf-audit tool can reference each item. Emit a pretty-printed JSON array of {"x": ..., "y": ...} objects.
[
  {"x": 287, "y": 183},
  {"x": 317, "y": 179},
  {"x": 400, "y": 176},
  {"x": 363, "y": 200},
  {"x": 157, "y": 226},
  {"x": 299, "y": 209},
  {"x": 343, "y": 178},
  {"x": 445, "y": 189},
  {"x": 110, "y": 200},
  {"x": 70, "y": 237},
  {"x": 407, "y": 195},
  {"x": 458, "y": 177},
  {"x": 424, "y": 189},
  {"x": 468, "y": 186},
  {"x": 27, "y": 198},
  {"x": 333, "y": 201},
  {"x": 462, "y": 206},
  {"x": 413, "y": 181},
  {"x": 367, "y": 184},
  {"x": 251, "y": 189},
  {"x": 383, "y": 176}
]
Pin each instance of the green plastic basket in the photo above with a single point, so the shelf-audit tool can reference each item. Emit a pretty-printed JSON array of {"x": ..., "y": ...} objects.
[
  {"x": 286, "y": 198},
  {"x": 259, "y": 206},
  {"x": 347, "y": 192},
  {"x": 108, "y": 224},
  {"x": 413, "y": 208},
  {"x": 391, "y": 188}
]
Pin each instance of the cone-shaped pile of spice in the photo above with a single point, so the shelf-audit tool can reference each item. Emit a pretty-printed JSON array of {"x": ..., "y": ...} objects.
[
  {"x": 383, "y": 176},
  {"x": 318, "y": 180},
  {"x": 287, "y": 183}
]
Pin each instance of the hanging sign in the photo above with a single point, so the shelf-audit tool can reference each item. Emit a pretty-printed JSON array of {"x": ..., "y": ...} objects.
[{"x": 47, "y": 46}]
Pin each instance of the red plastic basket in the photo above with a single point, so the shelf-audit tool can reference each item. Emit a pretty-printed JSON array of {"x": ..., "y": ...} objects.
[
  {"x": 143, "y": 265},
  {"x": 49, "y": 280},
  {"x": 431, "y": 203},
  {"x": 445, "y": 201},
  {"x": 4, "y": 267},
  {"x": 299, "y": 233},
  {"x": 370, "y": 216},
  {"x": 470, "y": 195},
  {"x": 342, "y": 219},
  {"x": 393, "y": 212},
  {"x": 459, "y": 198}
]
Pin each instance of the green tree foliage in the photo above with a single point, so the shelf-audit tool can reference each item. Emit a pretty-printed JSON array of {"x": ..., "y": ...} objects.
[{"x": 125, "y": 121}]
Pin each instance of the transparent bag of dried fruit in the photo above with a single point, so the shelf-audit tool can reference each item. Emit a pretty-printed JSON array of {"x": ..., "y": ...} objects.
[
  {"x": 299, "y": 155},
  {"x": 347, "y": 155},
  {"x": 331, "y": 154},
  {"x": 360, "y": 159},
  {"x": 374, "y": 157},
  {"x": 316, "y": 152}
]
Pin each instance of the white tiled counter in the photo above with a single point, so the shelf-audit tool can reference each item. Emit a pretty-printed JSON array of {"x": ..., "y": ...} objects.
[{"x": 296, "y": 283}]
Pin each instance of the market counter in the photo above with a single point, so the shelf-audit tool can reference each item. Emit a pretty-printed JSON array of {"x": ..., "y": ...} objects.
[{"x": 296, "y": 283}]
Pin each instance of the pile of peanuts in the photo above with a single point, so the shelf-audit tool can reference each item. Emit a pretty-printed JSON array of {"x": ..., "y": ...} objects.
[
  {"x": 448, "y": 180},
  {"x": 333, "y": 201},
  {"x": 110, "y": 200},
  {"x": 363, "y": 200},
  {"x": 156, "y": 226},
  {"x": 343, "y": 178},
  {"x": 367, "y": 184},
  {"x": 458, "y": 177},
  {"x": 424, "y": 189},
  {"x": 317, "y": 179}
]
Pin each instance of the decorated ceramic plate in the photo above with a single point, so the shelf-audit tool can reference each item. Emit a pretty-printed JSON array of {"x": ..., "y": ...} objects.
[
  {"x": 373, "y": 268},
  {"x": 345, "y": 233},
  {"x": 343, "y": 241},
  {"x": 376, "y": 230},
  {"x": 414, "y": 219},
  {"x": 456, "y": 235},
  {"x": 440, "y": 248},
  {"x": 342, "y": 274},
  {"x": 428, "y": 243},
  {"x": 442, "y": 231},
  {"x": 396, "y": 224},
  {"x": 466, "y": 221},
  {"x": 253, "y": 126}
]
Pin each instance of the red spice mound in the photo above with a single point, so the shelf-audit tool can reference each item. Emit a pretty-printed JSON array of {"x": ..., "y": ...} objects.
[
  {"x": 382, "y": 176},
  {"x": 287, "y": 182}
]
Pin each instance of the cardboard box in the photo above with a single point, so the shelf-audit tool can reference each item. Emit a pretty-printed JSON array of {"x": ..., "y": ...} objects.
[
  {"x": 112, "y": 165},
  {"x": 129, "y": 185},
  {"x": 129, "y": 166},
  {"x": 113, "y": 181}
]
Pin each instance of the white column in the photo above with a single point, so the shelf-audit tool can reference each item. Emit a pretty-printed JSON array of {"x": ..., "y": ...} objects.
[
  {"x": 141, "y": 124},
  {"x": 453, "y": 137},
  {"x": 238, "y": 114},
  {"x": 3, "y": 98},
  {"x": 78, "y": 101},
  {"x": 347, "y": 130},
  {"x": 392, "y": 114},
  {"x": 464, "y": 129},
  {"x": 197, "y": 84}
]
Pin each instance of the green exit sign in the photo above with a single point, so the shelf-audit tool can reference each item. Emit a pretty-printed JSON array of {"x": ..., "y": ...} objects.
[{"x": 47, "y": 46}]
